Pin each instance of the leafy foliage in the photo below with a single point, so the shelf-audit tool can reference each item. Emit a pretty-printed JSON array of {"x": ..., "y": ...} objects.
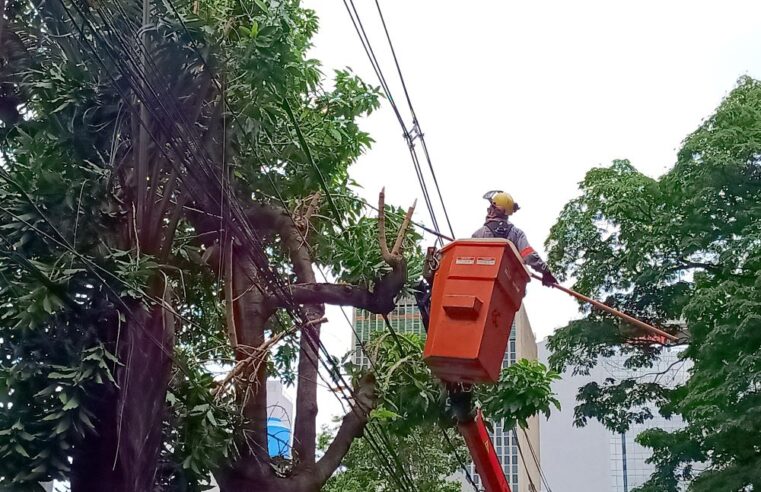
[
  {"x": 75, "y": 265},
  {"x": 684, "y": 247},
  {"x": 425, "y": 454},
  {"x": 44, "y": 411},
  {"x": 410, "y": 396},
  {"x": 523, "y": 390},
  {"x": 199, "y": 434},
  {"x": 356, "y": 259}
]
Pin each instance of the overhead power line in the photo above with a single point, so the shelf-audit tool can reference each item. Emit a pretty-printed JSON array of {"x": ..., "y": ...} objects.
[
  {"x": 142, "y": 95},
  {"x": 410, "y": 134},
  {"x": 334, "y": 370},
  {"x": 415, "y": 121},
  {"x": 536, "y": 460}
]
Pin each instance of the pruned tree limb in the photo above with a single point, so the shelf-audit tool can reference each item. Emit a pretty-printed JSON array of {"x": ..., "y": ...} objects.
[
  {"x": 379, "y": 300},
  {"x": 397, "y": 250},
  {"x": 385, "y": 253},
  {"x": 394, "y": 256},
  {"x": 352, "y": 426}
]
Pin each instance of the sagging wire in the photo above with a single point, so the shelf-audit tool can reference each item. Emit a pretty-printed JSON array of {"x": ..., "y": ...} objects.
[
  {"x": 408, "y": 136},
  {"x": 150, "y": 87}
]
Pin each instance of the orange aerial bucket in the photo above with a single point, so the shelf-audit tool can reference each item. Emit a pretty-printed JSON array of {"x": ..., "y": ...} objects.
[{"x": 477, "y": 290}]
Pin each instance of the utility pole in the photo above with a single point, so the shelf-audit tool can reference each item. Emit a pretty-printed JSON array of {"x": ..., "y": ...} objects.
[{"x": 623, "y": 461}]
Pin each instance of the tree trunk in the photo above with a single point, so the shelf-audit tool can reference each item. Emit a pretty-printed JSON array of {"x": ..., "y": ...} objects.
[
  {"x": 122, "y": 456},
  {"x": 302, "y": 482},
  {"x": 251, "y": 471},
  {"x": 254, "y": 471}
]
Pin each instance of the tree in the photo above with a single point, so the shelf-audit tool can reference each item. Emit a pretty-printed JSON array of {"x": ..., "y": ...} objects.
[
  {"x": 414, "y": 412},
  {"x": 683, "y": 248},
  {"x": 427, "y": 458},
  {"x": 175, "y": 172},
  {"x": 172, "y": 174}
]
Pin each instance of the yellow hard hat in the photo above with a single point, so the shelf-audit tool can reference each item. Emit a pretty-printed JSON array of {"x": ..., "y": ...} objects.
[{"x": 502, "y": 200}]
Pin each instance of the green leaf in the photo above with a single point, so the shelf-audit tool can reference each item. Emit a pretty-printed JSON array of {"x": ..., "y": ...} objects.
[
  {"x": 53, "y": 416},
  {"x": 63, "y": 425},
  {"x": 85, "y": 418},
  {"x": 20, "y": 450},
  {"x": 72, "y": 403},
  {"x": 384, "y": 414},
  {"x": 199, "y": 409}
]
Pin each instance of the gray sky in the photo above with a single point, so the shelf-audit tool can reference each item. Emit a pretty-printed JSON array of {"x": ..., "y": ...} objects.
[{"x": 527, "y": 96}]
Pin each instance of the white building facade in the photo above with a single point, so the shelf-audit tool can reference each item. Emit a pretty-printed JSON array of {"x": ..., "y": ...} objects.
[
  {"x": 592, "y": 458},
  {"x": 518, "y": 449}
]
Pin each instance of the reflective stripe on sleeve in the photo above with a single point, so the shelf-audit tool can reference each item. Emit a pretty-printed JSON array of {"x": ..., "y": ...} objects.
[{"x": 526, "y": 251}]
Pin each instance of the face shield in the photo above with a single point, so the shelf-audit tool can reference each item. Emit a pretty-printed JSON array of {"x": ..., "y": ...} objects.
[{"x": 490, "y": 194}]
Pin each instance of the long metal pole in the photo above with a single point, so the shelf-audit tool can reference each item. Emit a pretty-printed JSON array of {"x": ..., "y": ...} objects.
[
  {"x": 623, "y": 462},
  {"x": 614, "y": 312}
]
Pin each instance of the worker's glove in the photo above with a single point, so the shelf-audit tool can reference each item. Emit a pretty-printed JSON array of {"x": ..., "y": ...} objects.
[{"x": 548, "y": 278}]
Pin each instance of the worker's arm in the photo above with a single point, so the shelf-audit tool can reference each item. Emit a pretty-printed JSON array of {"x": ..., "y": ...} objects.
[{"x": 531, "y": 257}]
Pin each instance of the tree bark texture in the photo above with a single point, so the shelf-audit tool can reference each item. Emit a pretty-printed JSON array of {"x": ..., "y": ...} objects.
[
  {"x": 123, "y": 455},
  {"x": 252, "y": 309}
]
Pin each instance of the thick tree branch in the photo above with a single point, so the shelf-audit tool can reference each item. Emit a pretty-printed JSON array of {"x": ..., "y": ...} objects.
[
  {"x": 397, "y": 249},
  {"x": 379, "y": 300},
  {"x": 385, "y": 253},
  {"x": 250, "y": 312},
  {"x": 305, "y": 424},
  {"x": 278, "y": 221},
  {"x": 352, "y": 426}
]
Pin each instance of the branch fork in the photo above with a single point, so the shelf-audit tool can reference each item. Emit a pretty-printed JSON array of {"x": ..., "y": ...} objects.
[{"x": 393, "y": 257}]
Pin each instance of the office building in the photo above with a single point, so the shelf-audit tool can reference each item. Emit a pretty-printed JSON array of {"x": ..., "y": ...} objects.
[
  {"x": 523, "y": 475},
  {"x": 592, "y": 458}
]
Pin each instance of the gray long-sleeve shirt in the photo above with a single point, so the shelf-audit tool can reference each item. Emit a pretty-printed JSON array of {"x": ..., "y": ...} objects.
[{"x": 518, "y": 238}]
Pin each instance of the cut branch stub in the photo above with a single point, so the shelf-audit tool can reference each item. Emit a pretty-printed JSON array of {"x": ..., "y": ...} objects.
[
  {"x": 397, "y": 250},
  {"x": 393, "y": 257}
]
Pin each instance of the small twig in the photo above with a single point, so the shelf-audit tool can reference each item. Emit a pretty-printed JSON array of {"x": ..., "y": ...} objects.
[
  {"x": 229, "y": 298},
  {"x": 79, "y": 209},
  {"x": 258, "y": 354},
  {"x": 248, "y": 289},
  {"x": 137, "y": 235},
  {"x": 313, "y": 206}
]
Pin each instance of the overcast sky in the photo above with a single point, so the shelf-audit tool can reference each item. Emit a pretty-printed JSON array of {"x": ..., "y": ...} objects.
[{"x": 527, "y": 96}]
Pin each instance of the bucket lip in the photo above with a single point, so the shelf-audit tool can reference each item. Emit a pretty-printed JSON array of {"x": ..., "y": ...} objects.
[{"x": 486, "y": 241}]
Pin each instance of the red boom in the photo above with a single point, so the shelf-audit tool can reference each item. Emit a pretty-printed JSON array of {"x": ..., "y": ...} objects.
[{"x": 482, "y": 451}]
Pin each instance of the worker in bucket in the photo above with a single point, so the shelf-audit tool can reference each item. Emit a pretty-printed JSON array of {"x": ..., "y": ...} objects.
[{"x": 502, "y": 206}]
